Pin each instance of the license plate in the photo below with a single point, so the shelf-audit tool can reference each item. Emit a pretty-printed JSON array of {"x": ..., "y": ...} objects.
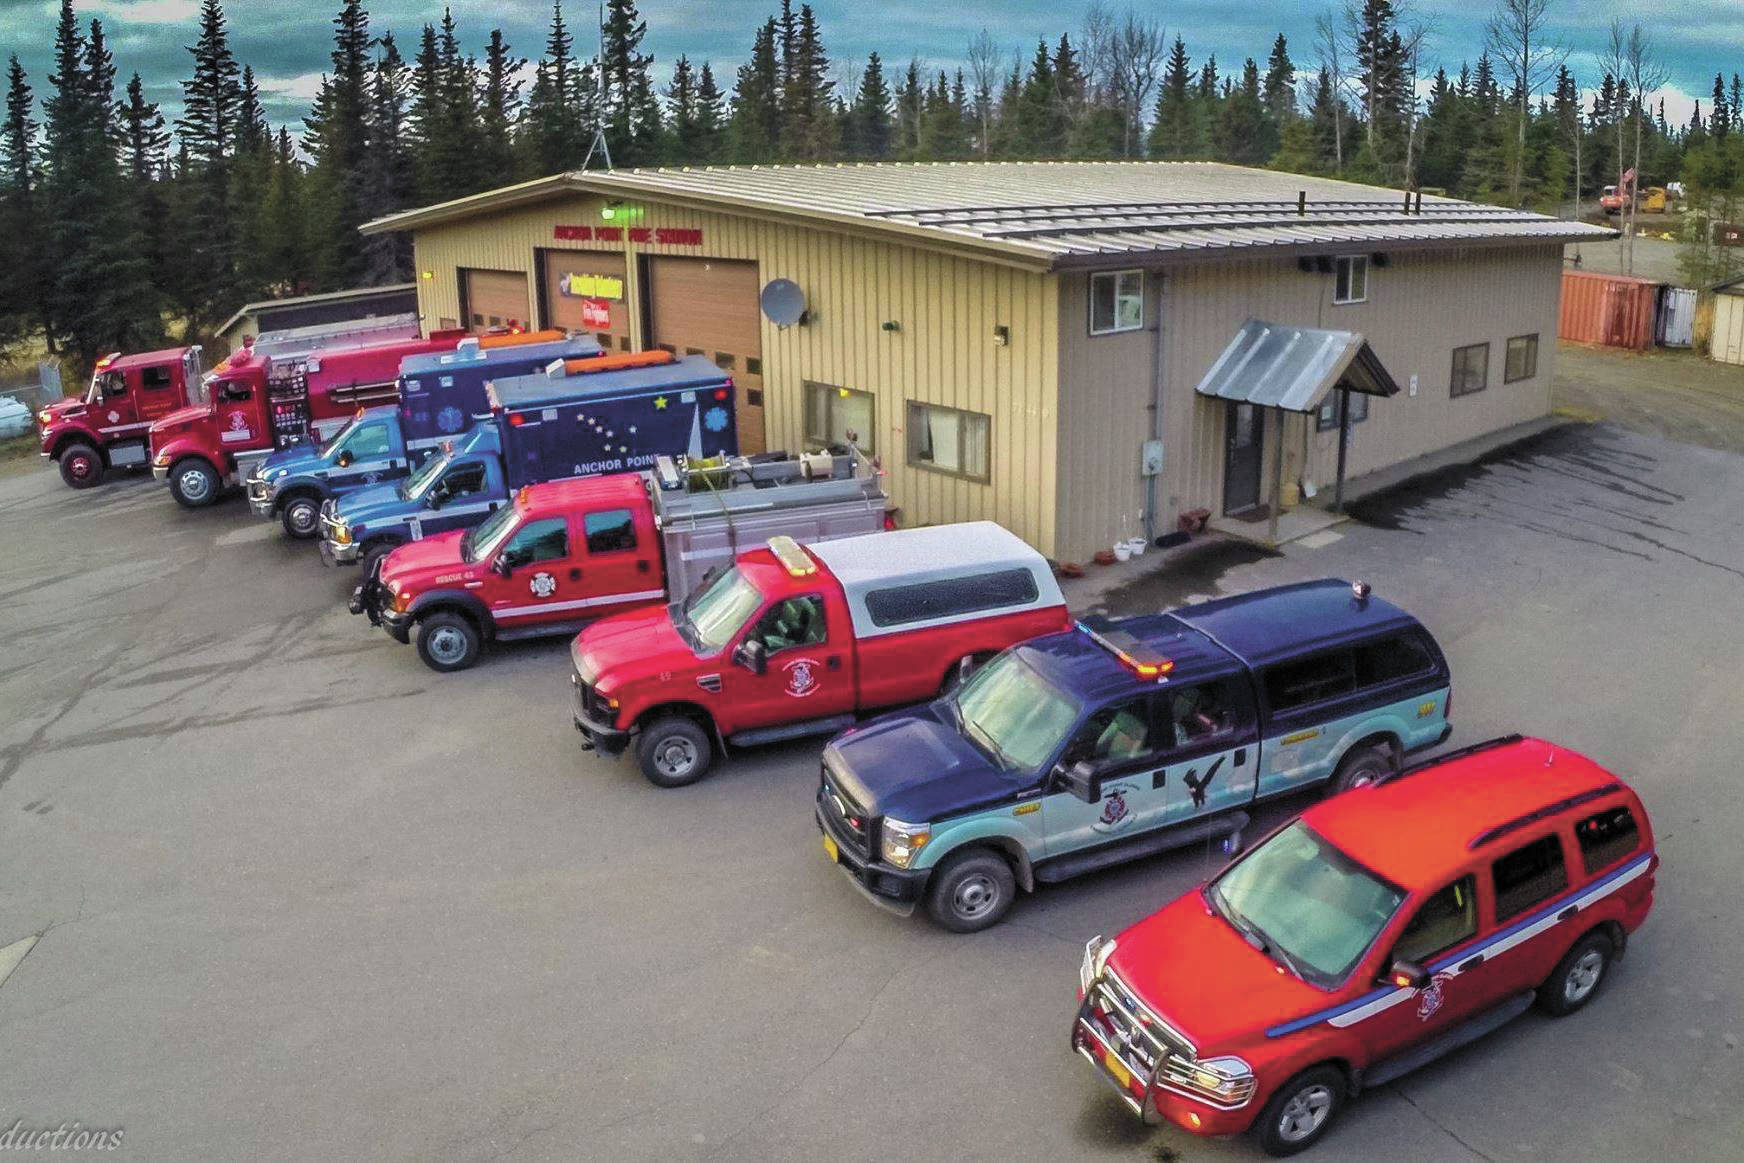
[
  {"x": 831, "y": 850},
  {"x": 1117, "y": 1068}
]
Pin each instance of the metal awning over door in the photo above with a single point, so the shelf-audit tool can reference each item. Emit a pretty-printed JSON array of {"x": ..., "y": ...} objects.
[{"x": 1294, "y": 369}]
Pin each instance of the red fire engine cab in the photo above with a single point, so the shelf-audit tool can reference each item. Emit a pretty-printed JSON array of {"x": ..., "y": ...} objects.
[
  {"x": 253, "y": 403},
  {"x": 110, "y": 424}
]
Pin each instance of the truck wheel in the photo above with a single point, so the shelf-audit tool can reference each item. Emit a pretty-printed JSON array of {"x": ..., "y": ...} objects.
[
  {"x": 1301, "y": 1110},
  {"x": 375, "y": 553},
  {"x": 81, "y": 466},
  {"x": 674, "y": 751},
  {"x": 1362, "y": 767},
  {"x": 1577, "y": 977},
  {"x": 301, "y": 517},
  {"x": 447, "y": 642},
  {"x": 971, "y": 891},
  {"x": 193, "y": 484}
]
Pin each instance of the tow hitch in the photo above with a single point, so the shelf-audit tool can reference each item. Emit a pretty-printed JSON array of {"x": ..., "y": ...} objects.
[{"x": 366, "y": 595}]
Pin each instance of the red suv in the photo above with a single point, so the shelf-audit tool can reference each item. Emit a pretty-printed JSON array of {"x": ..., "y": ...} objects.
[{"x": 1376, "y": 932}]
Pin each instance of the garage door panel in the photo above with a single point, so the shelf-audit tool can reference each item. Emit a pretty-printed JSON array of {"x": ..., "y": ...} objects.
[
  {"x": 708, "y": 307},
  {"x": 495, "y": 299},
  {"x": 567, "y": 275}
]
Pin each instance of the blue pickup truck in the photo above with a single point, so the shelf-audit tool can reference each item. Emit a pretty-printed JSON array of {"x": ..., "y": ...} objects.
[
  {"x": 581, "y": 417},
  {"x": 441, "y": 395},
  {"x": 1118, "y": 739}
]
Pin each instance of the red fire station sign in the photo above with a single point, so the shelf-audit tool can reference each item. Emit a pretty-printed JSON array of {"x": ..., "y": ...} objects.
[
  {"x": 596, "y": 314},
  {"x": 660, "y": 235}
]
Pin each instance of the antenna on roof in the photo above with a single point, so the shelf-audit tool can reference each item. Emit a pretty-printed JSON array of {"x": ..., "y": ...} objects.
[{"x": 598, "y": 145}]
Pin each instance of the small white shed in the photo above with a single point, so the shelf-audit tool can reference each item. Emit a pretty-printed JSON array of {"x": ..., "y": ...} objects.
[{"x": 1727, "y": 344}]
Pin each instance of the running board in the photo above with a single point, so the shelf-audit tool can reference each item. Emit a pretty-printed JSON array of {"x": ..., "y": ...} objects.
[
  {"x": 542, "y": 630},
  {"x": 1474, "y": 1028},
  {"x": 1177, "y": 836},
  {"x": 827, "y": 726}
]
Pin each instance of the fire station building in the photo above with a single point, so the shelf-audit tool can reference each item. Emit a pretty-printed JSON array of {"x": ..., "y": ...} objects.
[{"x": 1057, "y": 346}]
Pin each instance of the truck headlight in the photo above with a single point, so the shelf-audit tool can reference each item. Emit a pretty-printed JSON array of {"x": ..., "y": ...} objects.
[
  {"x": 1096, "y": 954},
  {"x": 163, "y": 460},
  {"x": 902, "y": 841},
  {"x": 342, "y": 534},
  {"x": 1226, "y": 1082},
  {"x": 401, "y": 600},
  {"x": 45, "y": 417}
]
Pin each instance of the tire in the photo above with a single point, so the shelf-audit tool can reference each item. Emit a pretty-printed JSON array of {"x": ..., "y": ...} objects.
[
  {"x": 301, "y": 517},
  {"x": 81, "y": 466},
  {"x": 194, "y": 484},
  {"x": 674, "y": 751},
  {"x": 1577, "y": 977},
  {"x": 1301, "y": 1110},
  {"x": 971, "y": 891},
  {"x": 375, "y": 553},
  {"x": 1360, "y": 768},
  {"x": 447, "y": 642}
]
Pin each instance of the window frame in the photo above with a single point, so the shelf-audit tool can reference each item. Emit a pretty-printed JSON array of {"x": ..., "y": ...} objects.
[
  {"x": 1594, "y": 857},
  {"x": 1549, "y": 841},
  {"x": 1470, "y": 883},
  {"x": 1343, "y": 266},
  {"x": 755, "y": 631},
  {"x": 911, "y": 442},
  {"x": 561, "y": 523},
  {"x": 1454, "y": 390},
  {"x": 1329, "y": 423},
  {"x": 975, "y": 582},
  {"x": 1114, "y": 325},
  {"x": 1507, "y": 355},
  {"x": 868, "y": 442},
  {"x": 587, "y": 534}
]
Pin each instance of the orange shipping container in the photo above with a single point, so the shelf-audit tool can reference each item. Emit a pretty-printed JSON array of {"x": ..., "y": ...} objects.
[{"x": 1609, "y": 310}]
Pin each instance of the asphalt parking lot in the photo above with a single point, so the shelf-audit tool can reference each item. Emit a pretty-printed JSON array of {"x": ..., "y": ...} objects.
[{"x": 300, "y": 897}]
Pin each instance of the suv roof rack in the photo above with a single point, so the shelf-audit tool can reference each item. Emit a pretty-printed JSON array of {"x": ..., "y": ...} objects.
[
  {"x": 1544, "y": 813},
  {"x": 1450, "y": 756}
]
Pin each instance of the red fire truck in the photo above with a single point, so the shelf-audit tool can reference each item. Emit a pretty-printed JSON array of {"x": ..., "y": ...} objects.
[
  {"x": 254, "y": 403},
  {"x": 109, "y": 424}
]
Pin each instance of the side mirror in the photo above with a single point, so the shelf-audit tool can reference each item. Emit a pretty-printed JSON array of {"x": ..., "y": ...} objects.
[
  {"x": 1404, "y": 974},
  {"x": 435, "y": 498},
  {"x": 502, "y": 565},
  {"x": 1082, "y": 780},
  {"x": 752, "y": 655},
  {"x": 345, "y": 458}
]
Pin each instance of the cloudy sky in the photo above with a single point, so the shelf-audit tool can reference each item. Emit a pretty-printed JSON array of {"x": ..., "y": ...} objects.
[{"x": 287, "y": 42}]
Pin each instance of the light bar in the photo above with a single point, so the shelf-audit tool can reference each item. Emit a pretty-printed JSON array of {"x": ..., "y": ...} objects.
[
  {"x": 1136, "y": 656},
  {"x": 794, "y": 559},
  {"x": 628, "y": 359}
]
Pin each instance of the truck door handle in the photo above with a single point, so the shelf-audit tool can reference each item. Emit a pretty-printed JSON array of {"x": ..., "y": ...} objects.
[
  {"x": 642, "y": 566},
  {"x": 834, "y": 662},
  {"x": 493, "y": 507},
  {"x": 1472, "y": 963},
  {"x": 1570, "y": 911},
  {"x": 574, "y": 574},
  {"x": 1240, "y": 757}
]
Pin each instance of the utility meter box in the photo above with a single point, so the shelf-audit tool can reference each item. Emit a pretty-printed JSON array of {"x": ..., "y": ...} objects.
[{"x": 1151, "y": 460}]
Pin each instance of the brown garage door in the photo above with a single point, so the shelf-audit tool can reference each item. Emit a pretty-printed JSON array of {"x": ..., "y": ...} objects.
[
  {"x": 578, "y": 285},
  {"x": 709, "y": 307},
  {"x": 494, "y": 299}
]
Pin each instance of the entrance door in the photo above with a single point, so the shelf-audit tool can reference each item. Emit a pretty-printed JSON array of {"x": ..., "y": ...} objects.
[
  {"x": 494, "y": 299},
  {"x": 708, "y": 307},
  {"x": 585, "y": 292},
  {"x": 1243, "y": 454}
]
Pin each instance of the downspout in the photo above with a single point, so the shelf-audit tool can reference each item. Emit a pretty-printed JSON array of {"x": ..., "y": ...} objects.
[{"x": 1156, "y": 407}]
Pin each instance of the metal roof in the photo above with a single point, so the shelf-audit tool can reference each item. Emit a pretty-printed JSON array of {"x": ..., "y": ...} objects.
[
  {"x": 1293, "y": 368},
  {"x": 256, "y": 308},
  {"x": 1056, "y": 214}
]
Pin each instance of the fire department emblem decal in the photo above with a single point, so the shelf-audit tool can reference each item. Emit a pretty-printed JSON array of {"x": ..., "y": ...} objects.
[
  {"x": 802, "y": 677},
  {"x": 543, "y": 585},
  {"x": 238, "y": 422},
  {"x": 1430, "y": 997},
  {"x": 114, "y": 416},
  {"x": 1116, "y": 812}
]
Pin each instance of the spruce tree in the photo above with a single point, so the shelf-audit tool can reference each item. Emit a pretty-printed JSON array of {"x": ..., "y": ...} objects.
[
  {"x": 145, "y": 146},
  {"x": 337, "y": 137},
  {"x": 1238, "y": 134},
  {"x": 253, "y": 135},
  {"x": 499, "y": 105},
  {"x": 390, "y": 169},
  {"x": 943, "y": 135},
  {"x": 209, "y": 125},
  {"x": 910, "y": 108},
  {"x": 681, "y": 107},
  {"x": 866, "y": 132},
  {"x": 809, "y": 131},
  {"x": 1040, "y": 129},
  {"x": 1174, "y": 132},
  {"x": 553, "y": 128},
  {"x": 1279, "y": 93},
  {"x": 752, "y": 132},
  {"x": 632, "y": 114},
  {"x": 711, "y": 117},
  {"x": 20, "y": 250}
]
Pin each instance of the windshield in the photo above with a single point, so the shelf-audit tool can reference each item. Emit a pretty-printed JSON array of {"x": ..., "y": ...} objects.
[
  {"x": 481, "y": 542},
  {"x": 1014, "y": 714},
  {"x": 331, "y": 446},
  {"x": 418, "y": 483},
  {"x": 1310, "y": 905},
  {"x": 716, "y": 611}
]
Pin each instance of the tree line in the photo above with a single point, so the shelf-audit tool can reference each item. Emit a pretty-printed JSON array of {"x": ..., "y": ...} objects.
[{"x": 120, "y": 230}]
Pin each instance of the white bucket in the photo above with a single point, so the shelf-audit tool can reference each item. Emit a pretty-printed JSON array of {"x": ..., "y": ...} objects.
[
  {"x": 1122, "y": 550},
  {"x": 1137, "y": 545}
]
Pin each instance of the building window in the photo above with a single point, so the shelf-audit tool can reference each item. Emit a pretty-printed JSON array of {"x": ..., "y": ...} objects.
[
  {"x": 1352, "y": 285},
  {"x": 1116, "y": 302},
  {"x": 946, "y": 440},
  {"x": 1522, "y": 359},
  {"x": 1471, "y": 370},
  {"x": 1327, "y": 419},
  {"x": 839, "y": 416}
]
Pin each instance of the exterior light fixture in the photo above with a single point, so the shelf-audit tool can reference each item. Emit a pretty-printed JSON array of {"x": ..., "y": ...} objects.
[
  {"x": 1001, "y": 335},
  {"x": 891, "y": 325}
]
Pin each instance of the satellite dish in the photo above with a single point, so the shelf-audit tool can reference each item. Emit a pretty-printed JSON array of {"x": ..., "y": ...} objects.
[{"x": 783, "y": 302}]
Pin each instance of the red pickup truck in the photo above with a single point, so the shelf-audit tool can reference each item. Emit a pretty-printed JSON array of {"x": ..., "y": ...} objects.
[
  {"x": 254, "y": 403},
  {"x": 109, "y": 425},
  {"x": 796, "y": 641}
]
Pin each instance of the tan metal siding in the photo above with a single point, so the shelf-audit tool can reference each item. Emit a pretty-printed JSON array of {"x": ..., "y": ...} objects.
[
  {"x": 1727, "y": 344},
  {"x": 944, "y": 352}
]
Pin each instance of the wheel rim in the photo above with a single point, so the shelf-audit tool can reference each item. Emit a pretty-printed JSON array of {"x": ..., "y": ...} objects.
[
  {"x": 1305, "y": 1113},
  {"x": 975, "y": 896},
  {"x": 79, "y": 466},
  {"x": 195, "y": 486},
  {"x": 1583, "y": 977},
  {"x": 1364, "y": 775},
  {"x": 675, "y": 757},
  {"x": 447, "y": 645},
  {"x": 303, "y": 517}
]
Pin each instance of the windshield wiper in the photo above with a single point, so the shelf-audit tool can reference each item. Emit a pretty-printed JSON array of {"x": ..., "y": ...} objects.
[
  {"x": 979, "y": 734},
  {"x": 1255, "y": 936}
]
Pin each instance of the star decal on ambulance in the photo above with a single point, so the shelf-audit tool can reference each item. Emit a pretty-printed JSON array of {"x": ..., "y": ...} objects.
[{"x": 660, "y": 403}]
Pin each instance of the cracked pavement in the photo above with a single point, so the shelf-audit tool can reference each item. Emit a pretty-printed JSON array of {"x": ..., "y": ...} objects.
[{"x": 298, "y": 896}]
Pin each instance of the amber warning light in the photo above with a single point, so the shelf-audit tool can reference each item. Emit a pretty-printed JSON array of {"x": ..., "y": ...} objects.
[
  {"x": 795, "y": 560},
  {"x": 1133, "y": 654}
]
